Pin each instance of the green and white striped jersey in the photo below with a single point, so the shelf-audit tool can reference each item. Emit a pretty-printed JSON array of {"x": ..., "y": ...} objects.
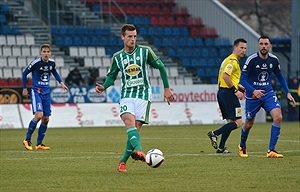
[{"x": 134, "y": 71}]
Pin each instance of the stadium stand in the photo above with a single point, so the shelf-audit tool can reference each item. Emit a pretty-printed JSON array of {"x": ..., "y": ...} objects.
[{"x": 191, "y": 50}]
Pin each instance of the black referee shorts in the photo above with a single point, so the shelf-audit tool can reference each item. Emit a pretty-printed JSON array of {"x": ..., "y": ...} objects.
[{"x": 229, "y": 104}]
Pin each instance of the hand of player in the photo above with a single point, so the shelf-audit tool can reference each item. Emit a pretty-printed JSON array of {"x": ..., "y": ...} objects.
[
  {"x": 258, "y": 93},
  {"x": 64, "y": 86},
  {"x": 25, "y": 92},
  {"x": 240, "y": 95},
  {"x": 291, "y": 98},
  {"x": 99, "y": 88},
  {"x": 168, "y": 95},
  {"x": 241, "y": 88}
]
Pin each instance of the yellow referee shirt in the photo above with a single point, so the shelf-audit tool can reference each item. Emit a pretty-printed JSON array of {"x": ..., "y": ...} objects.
[{"x": 231, "y": 66}]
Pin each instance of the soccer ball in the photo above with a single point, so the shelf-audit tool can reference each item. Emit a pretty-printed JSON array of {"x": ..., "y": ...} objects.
[{"x": 154, "y": 158}]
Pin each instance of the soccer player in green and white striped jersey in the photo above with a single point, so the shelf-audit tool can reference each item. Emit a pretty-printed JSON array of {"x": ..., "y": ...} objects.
[{"x": 133, "y": 61}]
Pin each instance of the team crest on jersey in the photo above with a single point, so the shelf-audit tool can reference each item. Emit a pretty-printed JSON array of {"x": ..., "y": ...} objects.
[
  {"x": 125, "y": 61},
  {"x": 45, "y": 77},
  {"x": 271, "y": 65},
  {"x": 263, "y": 76},
  {"x": 133, "y": 70},
  {"x": 137, "y": 58}
]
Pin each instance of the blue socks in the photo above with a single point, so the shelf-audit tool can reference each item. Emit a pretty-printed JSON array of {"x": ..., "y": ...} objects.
[
  {"x": 31, "y": 128},
  {"x": 275, "y": 132},
  {"x": 41, "y": 134},
  {"x": 244, "y": 137}
]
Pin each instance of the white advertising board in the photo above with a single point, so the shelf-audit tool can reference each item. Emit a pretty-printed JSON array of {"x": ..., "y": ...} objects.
[{"x": 194, "y": 104}]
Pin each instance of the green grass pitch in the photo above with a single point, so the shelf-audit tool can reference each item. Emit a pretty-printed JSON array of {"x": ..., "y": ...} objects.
[{"x": 86, "y": 159}]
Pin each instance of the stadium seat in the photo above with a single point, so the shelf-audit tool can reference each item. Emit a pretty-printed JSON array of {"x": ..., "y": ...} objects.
[
  {"x": 25, "y": 50},
  {"x": 16, "y": 50},
  {"x": 29, "y": 39},
  {"x": 59, "y": 61},
  {"x": 88, "y": 62},
  {"x": 12, "y": 61},
  {"x": 20, "y": 40},
  {"x": 3, "y": 63},
  {"x": 11, "y": 40},
  {"x": 91, "y": 51},
  {"x": 22, "y": 62},
  {"x": 100, "y": 51},
  {"x": 73, "y": 51}
]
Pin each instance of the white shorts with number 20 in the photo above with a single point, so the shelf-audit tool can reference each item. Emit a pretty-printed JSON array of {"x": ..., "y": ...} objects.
[{"x": 137, "y": 107}]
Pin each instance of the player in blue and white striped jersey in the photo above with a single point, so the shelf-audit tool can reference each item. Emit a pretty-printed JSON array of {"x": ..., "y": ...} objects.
[
  {"x": 41, "y": 70},
  {"x": 256, "y": 78}
]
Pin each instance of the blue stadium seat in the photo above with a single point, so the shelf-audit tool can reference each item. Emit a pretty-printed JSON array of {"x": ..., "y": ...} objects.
[
  {"x": 205, "y": 52},
  {"x": 171, "y": 52},
  {"x": 176, "y": 31},
  {"x": 95, "y": 41},
  {"x": 76, "y": 41},
  {"x": 103, "y": 41},
  {"x": 214, "y": 52},
  {"x": 199, "y": 42},
  {"x": 59, "y": 40},
  {"x": 190, "y": 42},
  {"x": 168, "y": 31},
  {"x": 186, "y": 62},
  {"x": 68, "y": 41},
  {"x": 184, "y": 31},
  {"x": 203, "y": 62},
  {"x": 194, "y": 62},
  {"x": 86, "y": 41},
  {"x": 173, "y": 41},
  {"x": 201, "y": 72},
  {"x": 157, "y": 42},
  {"x": 143, "y": 31},
  {"x": 209, "y": 42},
  {"x": 188, "y": 52},
  {"x": 182, "y": 41},
  {"x": 211, "y": 62}
]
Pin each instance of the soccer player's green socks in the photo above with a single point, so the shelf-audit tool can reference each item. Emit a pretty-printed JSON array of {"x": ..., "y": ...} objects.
[
  {"x": 134, "y": 138},
  {"x": 31, "y": 128},
  {"x": 127, "y": 152},
  {"x": 275, "y": 132}
]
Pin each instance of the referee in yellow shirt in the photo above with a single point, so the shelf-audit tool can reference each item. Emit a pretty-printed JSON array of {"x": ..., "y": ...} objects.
[{"x": 229, "y": 95}]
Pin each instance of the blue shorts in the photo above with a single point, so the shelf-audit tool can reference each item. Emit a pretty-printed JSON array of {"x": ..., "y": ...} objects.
[
  {"x": 41, "y": 103},
  {"x": 267, "y": 102},
  {"x": 229, "y": 104}
]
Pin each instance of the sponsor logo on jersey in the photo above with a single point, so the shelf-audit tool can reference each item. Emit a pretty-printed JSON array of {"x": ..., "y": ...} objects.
[
  {"x": 264, "y": 66},
  {"x": 133, "y": 70},
  {"x": 229, "y": 68},
  {"x": 135, "y": 82}
]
